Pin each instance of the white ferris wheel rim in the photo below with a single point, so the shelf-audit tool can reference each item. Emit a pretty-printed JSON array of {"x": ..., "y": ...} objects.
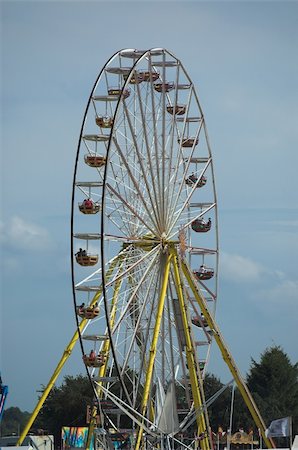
[{"x": 142, "y": 224}]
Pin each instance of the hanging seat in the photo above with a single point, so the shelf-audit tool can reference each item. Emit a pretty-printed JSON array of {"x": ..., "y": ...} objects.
[
  {"x": 178, "y": 110},
  {"x": 137, "y": 77},
  {"x": 95, "y": 160},
  {"x": 104, "y": 121},
  {"x": 204, "y": 273},
  {"x": 202, "y": 182},
  {"x": 199, "y": 321},
  {"x": 86, "y": 259},
  {"x": 118, "y": 91},
  {"x": 87, "y": 312},
  {"x": 147, "y": 76},
  {"x": 188, "y": 142},
  {"x": 89, "y": 208},
  {"x": 200, "y": 225},
  {"x": 193, "y": 179},
  {"x": 96, "y": 361},
  {"x": 167, "y": 86}
]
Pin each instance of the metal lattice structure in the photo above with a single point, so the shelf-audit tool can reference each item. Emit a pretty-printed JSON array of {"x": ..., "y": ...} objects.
[{"x": 145, "y": 254}]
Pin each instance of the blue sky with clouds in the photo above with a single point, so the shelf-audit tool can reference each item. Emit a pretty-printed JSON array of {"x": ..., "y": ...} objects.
[{"x": 242, "y": 57}]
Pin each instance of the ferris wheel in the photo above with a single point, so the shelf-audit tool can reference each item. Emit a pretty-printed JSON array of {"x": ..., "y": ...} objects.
[{"x": 144, "y": 244}]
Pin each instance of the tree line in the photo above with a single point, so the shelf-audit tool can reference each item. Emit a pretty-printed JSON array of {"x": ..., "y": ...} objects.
[{"x": 273, "y": 382}]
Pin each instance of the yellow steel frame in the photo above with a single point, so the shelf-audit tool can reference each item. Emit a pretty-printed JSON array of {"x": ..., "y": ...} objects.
[
  {"x": 227, "y": 356},
  {"x": 194, "y": 371},
  {"x": 179, "y": 266},
  {"x": 173, "y": 259},
  {"x": 153, "y": 346},
  {"x": 103, "y": 369},
  {"x": 66, "y": 354}
]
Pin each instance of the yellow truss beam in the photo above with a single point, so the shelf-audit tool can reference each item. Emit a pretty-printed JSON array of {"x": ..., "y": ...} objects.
[
  {"x": 66, "y": 354},
  {"x": 153, "y": 347},
  {"x": 194, "y": 375},
  {"x": 102, "y": 371},
  {"x": 227, "y": 356}
]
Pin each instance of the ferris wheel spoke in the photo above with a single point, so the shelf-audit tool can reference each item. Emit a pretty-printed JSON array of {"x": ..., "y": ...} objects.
[
  {"x": 145, "y": 313},
  {"x": 197, "y": 216},
  {"x": 136, "y": 290},
  {"x": 130, "y": 208},
  {"x": 138, "y": 261},
  {"x": 134, "y": 414},
  {"x": 149, "y": 156},
  {"x": 163, "y": 136},
  {"x": 173, "y": 130},
  {"x": 186, "y": 202},
  {"x": 110, "y": 266},
  {"x": 117, "y": 175},
  {"x": 174, "y": 205},
  {"x": 114, "y": 211},
  {"x": 138, "y": 337},
  {"x": 136, "y": 185},
  {"x": 155, "y": 135},
  {"x": 143, "y": 171},
  {"x": 120, "y": 217},
  {"x": 179, "y": 161}
]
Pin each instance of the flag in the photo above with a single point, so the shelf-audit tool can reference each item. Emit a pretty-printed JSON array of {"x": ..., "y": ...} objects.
[{"x": 279, "y": 427}]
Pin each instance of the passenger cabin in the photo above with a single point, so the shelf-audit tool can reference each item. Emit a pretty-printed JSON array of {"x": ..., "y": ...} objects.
[
  {"x": 96, "y": 361},
  {"x": 118, "y": 91},
  {"x": 199, "y": 321},
  {"x": 85, "y": 259},
  {"x": 167, "y": 86},
  {"x": 193, "y": 179},
  {"x": 204, "y": 273},
  {"x": 188, "y": 142},
  {"x": 87, "y": 312},
  {"x": 178, "y": 110},
  {"x": 148, "y": 76},
  {"x": 136, "y": 78},
  {"x": 104, "y": 121},
  {"x": 89, "y": 207},
  {"x": 200, "y": 225},
  {"x": 202, "y": 182},
  {"x": 95, "y": 160}
]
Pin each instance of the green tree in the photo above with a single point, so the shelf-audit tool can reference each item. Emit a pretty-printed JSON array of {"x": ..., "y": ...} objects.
[
  {"x": 65, "y": 406},
  {"x": 13, "y": 421},
  {"x": 274, "y": 385},
  {"x": 219, "y": 411},
  {"x": 241, "y": 415}
]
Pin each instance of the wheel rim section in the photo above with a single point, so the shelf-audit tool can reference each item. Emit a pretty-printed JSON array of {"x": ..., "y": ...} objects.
[{"x": 147, "y": 207}]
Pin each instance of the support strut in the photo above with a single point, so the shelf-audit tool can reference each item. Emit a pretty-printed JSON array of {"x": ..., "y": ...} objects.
[{"x": 227, "y": 356}]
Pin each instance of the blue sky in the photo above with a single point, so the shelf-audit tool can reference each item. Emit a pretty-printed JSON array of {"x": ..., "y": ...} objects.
[{"x": 242, "y": 58}]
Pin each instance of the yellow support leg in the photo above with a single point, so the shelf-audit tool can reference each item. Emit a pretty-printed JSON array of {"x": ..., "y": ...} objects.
[
  {"x": 153, "y": 348},
  {"x": 47, "y": 390},
  {"x": 194, "y": 375},
  {"x": 228, "y": 357},
  {"x": 66, "y": 354},
  {"x": 103, "y": 369}
]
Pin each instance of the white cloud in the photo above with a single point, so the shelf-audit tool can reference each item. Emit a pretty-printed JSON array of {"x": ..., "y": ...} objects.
[
  {"x": 239, "y": 269},
  {"x": 19, "y": 233},
  {"x": 285, "y": 293},
  {"x": 276, "y": 288}
]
